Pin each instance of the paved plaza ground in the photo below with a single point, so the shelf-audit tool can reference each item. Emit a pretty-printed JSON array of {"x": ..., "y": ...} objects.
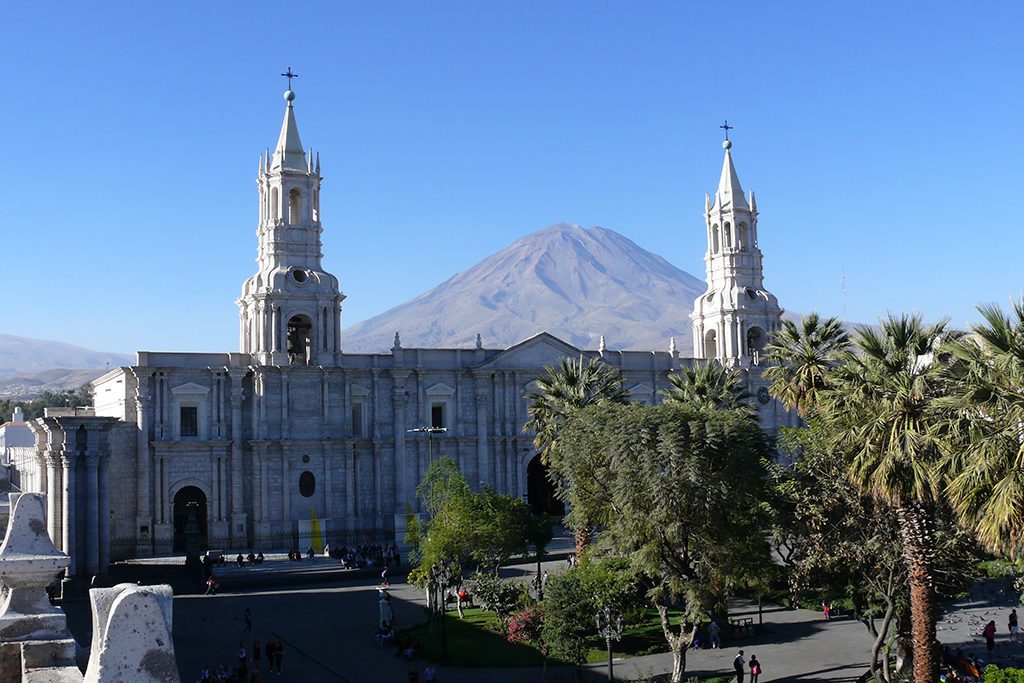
[{"x": 327, "y": 632}]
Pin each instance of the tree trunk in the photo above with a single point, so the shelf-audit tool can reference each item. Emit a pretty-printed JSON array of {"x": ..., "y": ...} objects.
[
  {"x": 879, "y": 672},
  {"x": 917, "y": 530},
  {"x": 677, "y": 643},
  {"x": 582, "y": 536}
]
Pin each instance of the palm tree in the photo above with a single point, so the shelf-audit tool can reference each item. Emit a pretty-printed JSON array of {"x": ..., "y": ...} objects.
[
  {"x": 802, "y": 357},
  {"x": 710, "y": 385},
  {"x": 985, "y": 448},
  {"x": 559, "y": 393},
  {"x": 880, "y": 406}
]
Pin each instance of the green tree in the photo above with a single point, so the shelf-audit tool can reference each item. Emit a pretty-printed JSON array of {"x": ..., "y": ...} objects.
[
  {"x": 882, "y": 412},
  {"x": 569, "y": 628},
  {"x": 801, "y": 358},
  {"x": 710, "y": 385},
  {"x": 985, "y": 445},
  {"x": 558, "y": 394},
  {"x": 685, "y": 492}
]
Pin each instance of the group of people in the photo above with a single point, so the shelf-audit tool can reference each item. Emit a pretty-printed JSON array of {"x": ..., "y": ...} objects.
[
  {"x": 248, "y": 663},
  {"x": 740, "y": 665},
  {"x": 368, "y": 555}
]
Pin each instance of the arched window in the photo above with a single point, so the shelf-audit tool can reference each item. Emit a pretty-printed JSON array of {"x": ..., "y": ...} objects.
[
  {"x": 307, "y": 484},
  {"x": 275, "y": 205},
  {"x": 710, "y": 345},
  {"x": 300, "y": 341},
  {"x": 741, "y": 237},
  {"x": 294, "y": 207},
  {"x": 727, "y": 236},
  {"x": 755, "y": 344},
  {"x": 714, "y": 238}
]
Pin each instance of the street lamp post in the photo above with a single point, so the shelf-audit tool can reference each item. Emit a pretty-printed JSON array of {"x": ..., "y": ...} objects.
[
  {"x": 610, "y": 629},
  {"x": 440, "y": 576},
  {"x": 430, "y": 431}
]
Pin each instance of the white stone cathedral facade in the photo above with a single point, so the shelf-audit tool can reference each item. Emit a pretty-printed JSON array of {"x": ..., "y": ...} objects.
[{"x": 252, "y": 443}]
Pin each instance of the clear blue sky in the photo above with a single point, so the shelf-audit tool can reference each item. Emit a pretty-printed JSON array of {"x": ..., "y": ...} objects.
[{"x": 881, "y": 138}]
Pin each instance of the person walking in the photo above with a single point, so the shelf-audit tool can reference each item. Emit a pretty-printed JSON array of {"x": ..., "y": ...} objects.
[
  {"x": 990, "y": 636},
  {"x": 279, "y": 656},
  {"x": 739, "y": 665},
  {"x": 714, "y": 635},
  {"x": 755, "y": 668},
  {"x": 1013, "y": 627},
  {"x": 269, "y": 649},
  {"x": 248, "y": 620}
]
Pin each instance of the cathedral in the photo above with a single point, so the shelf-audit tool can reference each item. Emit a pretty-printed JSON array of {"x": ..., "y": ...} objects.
[{"x": 256, "y": 447}]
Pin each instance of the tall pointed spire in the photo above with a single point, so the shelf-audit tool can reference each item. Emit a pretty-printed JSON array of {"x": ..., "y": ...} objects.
[
  {"x": 729, "y": 194},
  {"x": 289, "y": 154}
]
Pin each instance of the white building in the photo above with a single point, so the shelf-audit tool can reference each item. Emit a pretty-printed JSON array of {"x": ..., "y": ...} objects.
[{"x": 253, "y": 442}]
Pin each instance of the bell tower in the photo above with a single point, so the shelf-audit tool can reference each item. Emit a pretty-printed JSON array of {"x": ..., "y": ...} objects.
[
  {"x": 290, "y": 310},
  {"x": 733, "y": 319}
]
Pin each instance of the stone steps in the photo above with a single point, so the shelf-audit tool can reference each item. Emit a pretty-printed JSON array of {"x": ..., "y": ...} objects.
[{"x": 53, "y": 674}]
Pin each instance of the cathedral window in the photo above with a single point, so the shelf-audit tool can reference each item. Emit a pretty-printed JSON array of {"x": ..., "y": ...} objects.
[
  {"x": 189, "y": 416},
  {"x": 275, "y": 205},
  {"x": 294, "y": 207},
  {"x": 741, "y": 236},
  {"x": 727, "y": 236},
  {"x": 714, "y": 238},
  {"x": 755, "y": 344},
  {"x": 437, "y": 411}
]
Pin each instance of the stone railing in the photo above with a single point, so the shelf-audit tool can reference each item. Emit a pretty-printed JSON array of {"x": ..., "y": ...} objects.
[{"x": 131, "y": 624}]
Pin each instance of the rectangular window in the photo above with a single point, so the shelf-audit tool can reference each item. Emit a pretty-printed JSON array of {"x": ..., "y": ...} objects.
[
  {"x": 189, "y": 421},
  {"x": 357, "y": 419},
  {"x": 437, "y": 415}
]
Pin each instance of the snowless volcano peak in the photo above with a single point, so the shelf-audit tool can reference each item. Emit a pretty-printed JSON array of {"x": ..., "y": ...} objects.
[{"x": 573, "y": 282}]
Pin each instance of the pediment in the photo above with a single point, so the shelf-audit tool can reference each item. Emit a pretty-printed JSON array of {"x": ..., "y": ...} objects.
[
  {"x": 533, "y": 354},
  {"x": 440, "y": 389},
  {"x": 190, "y": 389}
]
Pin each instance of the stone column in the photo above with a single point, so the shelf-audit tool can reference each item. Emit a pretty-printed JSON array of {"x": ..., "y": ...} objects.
[
  {"x": 481, "y": 433},
  {"x": 68, "y": 460},
  {"x": 328, "y": 498},
  {"x": 285, "y": 431},
  {"x": 104, "y": 512},
  {"x": 400, "y": 400},
  {"x": 238, "y": 518},
  {"x": 92, "y": 512},
  {"x": 350, "y": 489},
  {"x": 144, "y": 467},
  {"x": 286, "y": 512}
]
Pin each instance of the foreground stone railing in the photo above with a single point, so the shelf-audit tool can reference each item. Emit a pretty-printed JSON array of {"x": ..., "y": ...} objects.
[{"x": 131, "y": 624}]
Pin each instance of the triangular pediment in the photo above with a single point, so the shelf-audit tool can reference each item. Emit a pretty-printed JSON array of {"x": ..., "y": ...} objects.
[
  {"x": 534, "y": 353},
  {"x": 189, "y": 388},
  {"x": 440, "y": 389}
]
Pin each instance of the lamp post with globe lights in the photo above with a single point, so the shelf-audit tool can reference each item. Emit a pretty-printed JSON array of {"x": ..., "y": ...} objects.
[{"x": 609, "y": 627}]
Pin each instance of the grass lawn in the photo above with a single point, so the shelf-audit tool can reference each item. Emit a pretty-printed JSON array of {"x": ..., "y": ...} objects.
[{"x": 477, "y": 641}]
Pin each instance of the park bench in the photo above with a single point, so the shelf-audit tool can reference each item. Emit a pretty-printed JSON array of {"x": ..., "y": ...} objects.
[
  {"x": 741, "y": 626},
  {"x": 215, "y": 556}
]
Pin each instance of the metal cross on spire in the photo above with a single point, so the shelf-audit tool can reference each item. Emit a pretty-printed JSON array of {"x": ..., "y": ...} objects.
[
  {"x": 289, "y": 75},
  {"x": 727, "y": 128}
]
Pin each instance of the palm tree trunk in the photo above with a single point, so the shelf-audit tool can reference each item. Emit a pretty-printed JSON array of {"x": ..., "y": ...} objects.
[
  {"x": 582, "y": 537},
  {"x": 917, "y": 529}
]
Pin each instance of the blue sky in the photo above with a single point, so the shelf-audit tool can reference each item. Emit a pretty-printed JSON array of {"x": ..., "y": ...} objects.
[{"x": 882, "y": 139}]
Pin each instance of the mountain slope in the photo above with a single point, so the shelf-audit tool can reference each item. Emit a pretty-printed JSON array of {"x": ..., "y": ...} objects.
[
  {"x": 21, "y": 355},
  {"x": 575, "y": 283}
]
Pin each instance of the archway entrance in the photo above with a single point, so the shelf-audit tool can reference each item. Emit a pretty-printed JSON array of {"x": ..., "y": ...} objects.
[
  {"x": 189, "y": 504},
  {"x": 540, "y": 494}
]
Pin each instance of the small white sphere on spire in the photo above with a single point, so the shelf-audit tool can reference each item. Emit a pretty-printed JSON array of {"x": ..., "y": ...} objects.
[
  {"x": 726, "y": 144},
  {"x": 289, "y": 95}
]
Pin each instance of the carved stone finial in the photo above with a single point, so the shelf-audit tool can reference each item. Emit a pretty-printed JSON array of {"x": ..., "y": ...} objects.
[
  {"x": 479, "y": 341},
  {"x": 601, "y": 345},
  {"x": 672, "y": 346},
  {"x": 398, "y": 341}
]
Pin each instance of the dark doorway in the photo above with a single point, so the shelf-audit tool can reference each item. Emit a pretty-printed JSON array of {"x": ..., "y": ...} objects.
[
  {"x": 540, "y": 493},
  {"x": 189, "y": 502}
]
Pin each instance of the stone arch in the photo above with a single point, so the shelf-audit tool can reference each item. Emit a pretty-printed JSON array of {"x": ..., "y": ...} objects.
[
  {"x": 710, "y": 345},
  {"x": 714, "y": 238},
  {"x": 756, "y": 340},
  {"x": 190, "y": 499},
  {"x": 741, "y": 237},
  {"x": 275, "y": 204},
  {"x": 300, "y": 339},
  {"x": 726, "y": 235}
]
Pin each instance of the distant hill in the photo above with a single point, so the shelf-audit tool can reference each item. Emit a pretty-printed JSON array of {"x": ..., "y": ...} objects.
[
  {"x": 576, "y": 283},
  {"x": 28, "y": 367}
]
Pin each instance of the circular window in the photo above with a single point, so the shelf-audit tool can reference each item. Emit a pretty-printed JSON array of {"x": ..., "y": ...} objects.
[
  {"x": 300, "y": 275},
  {"x": 751, "y": 294},
  {"x": 305, "y": 458},
  {"x": 307, "y": 484}
]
